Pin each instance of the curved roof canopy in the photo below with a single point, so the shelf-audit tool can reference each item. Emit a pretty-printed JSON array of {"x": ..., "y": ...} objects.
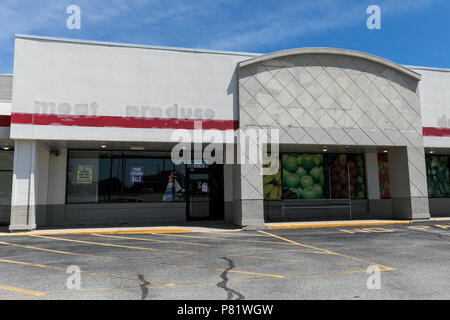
[{"x": 332, "y": 51}]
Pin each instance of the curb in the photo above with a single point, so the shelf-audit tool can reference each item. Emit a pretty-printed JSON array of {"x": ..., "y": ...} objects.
[
  {"x": 268, "y": 226},
  {"x": 255, "y": 228},
  {"x": 336, "y": 224}
]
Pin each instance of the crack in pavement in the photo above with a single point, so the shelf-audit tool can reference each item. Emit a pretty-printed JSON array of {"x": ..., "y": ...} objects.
[
  {"x": 223, "y": 284},
  {"x": 143, "y": 286}
]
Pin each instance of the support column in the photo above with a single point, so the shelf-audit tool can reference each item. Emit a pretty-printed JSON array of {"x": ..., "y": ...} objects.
[
  {"x": 409, "y": 189},
  {"x": 228, "y": 191},
  {"x": 29, "y": 188},
  {"x": 249, "y": 198},
  {"x": 372, "y": 182},
  {"x": 56, "y": 195}
]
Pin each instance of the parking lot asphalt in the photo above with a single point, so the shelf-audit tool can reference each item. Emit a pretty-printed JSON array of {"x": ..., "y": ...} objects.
[{"x": 378, "y": 262}]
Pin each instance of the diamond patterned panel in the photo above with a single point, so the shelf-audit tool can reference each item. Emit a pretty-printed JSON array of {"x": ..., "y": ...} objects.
[{"x": 335, "y": 99}]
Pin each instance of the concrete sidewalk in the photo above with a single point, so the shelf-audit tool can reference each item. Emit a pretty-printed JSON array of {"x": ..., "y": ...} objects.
[{"x": 215, "y": 227}]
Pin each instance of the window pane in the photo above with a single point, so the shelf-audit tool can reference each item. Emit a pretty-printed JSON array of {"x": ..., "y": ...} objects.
[
  {"x": 357, "y": 176},
  {"x": 144, "y": 179},
  {"x": 6, "y": 160},
  {"x": 5, "y": 187},
  {"x": 94, "y": 176},
  {"x": 340, "y": 166},
  {"x": 272, "y": 184},
  {"x": 383, "y": 175},
  {"x": 152, "y": 177},
  {"x": 338, "y": 176},
  {"x": 303, "y": 176},
  {"x": 110, "y": 180},
  {"x": 102, "y": 176},
  {"x": 83, "y": 177},
  {"x": 180, "y": 177},
  {"x": 438, "y": 176}
]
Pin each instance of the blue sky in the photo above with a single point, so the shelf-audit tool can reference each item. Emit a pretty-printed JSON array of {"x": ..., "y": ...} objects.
[{"x": 414, "y": 32}]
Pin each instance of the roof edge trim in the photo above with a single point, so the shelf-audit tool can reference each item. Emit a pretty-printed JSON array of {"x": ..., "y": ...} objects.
[
  {"x": 335, "y": 51},
  {"x": 131, "y": 45}
]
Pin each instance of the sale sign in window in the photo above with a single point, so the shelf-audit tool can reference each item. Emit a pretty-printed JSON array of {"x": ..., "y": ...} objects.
[{"x": 137, "y": 175}]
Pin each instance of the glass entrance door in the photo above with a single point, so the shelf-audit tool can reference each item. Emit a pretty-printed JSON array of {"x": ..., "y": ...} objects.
[{"x": 204, "y": 192}]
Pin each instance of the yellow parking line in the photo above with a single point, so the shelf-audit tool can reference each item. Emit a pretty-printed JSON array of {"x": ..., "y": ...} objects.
[
  {"x": 166, "y": 250},
  {"x": 200, "y": 244},
  {"x": 86, "y": 232},
  {"x": 419, "y": 227},
  {"x": 206, "y": 282},
  {"x": 222, "y": 239},
  {"x": 184, "y": 284},
  {"x": 384, "y": 268},
  {"x": 136, "y": 259},
  {"x": 234, "y": 255},
  {"x": 41, "y": 249},
  {"x": 154, "y": 240},
  {"x": 197, "y": 283},
  {"x": 111, "y": 245},
  {"x": 367, "y": 230},
  {"x": 23, "y": 291},
  {"x": 37, "y": 265}
]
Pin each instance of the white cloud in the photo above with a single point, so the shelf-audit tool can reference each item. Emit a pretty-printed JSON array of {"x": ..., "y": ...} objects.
[
  {"x": 215, "y": 24},
  {"x": 287, "y": 23}
]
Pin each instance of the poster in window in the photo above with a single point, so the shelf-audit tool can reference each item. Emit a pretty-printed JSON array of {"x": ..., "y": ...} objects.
[
  {"x": 137, "y": 175},
  {"x": 172, "y": 189},
  {"x": 339, "y": 167},
  {"x": 383, "y": 175},
  {"x": 272, "y": 184},
  {"x": 303, "y": 176},
  {"x": 438, "y": 176},
  {"x": 357, "y": 176},
  {"x": 84, "y": 174}
]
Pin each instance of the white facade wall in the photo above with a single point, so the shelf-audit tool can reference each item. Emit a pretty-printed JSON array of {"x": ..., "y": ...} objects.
[
  {"x": 435, "y": 100},
  {"x": 78, "y": 80},
  {"x": 120, "y": 81}
]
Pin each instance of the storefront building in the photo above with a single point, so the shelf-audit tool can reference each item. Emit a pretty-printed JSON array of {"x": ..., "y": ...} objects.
[{"x": 87, "y": 135}]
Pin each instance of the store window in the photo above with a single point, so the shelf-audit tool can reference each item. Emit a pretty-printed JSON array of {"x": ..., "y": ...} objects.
[
  {"x": 317, "y": 176},
  {"x": 6, "y": 173},
  {"x": 303, "y": 176},
  {"x": 383, "y": 176},
  {"x": 438, "y": 176},
  {"x": 103, "y": 177},
  {"x": 151, "y": 179},
  {"x": 272, "y": 184},
  {"x": 347, "y": 176}
]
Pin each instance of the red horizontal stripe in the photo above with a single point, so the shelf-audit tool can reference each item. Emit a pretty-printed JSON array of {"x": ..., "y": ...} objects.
[
  {"x": 5, "y": 121},
  {"x": 143, "y": 123},
  {"x": 436, "y": 132},
  {"x": 119, "y": 122}
]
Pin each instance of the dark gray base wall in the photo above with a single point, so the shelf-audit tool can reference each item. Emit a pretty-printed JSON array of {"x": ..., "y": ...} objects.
[
  {"x": 410, "y": 208},
  {"x": 399, "y": 208},
  {"x": 111, "y": 214},
  {"x": 380, "y": 208},
  {"x": 273, "y": 211},
  {"x": 5, "y": 215},
  {"x": 439, "y": 207}
]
